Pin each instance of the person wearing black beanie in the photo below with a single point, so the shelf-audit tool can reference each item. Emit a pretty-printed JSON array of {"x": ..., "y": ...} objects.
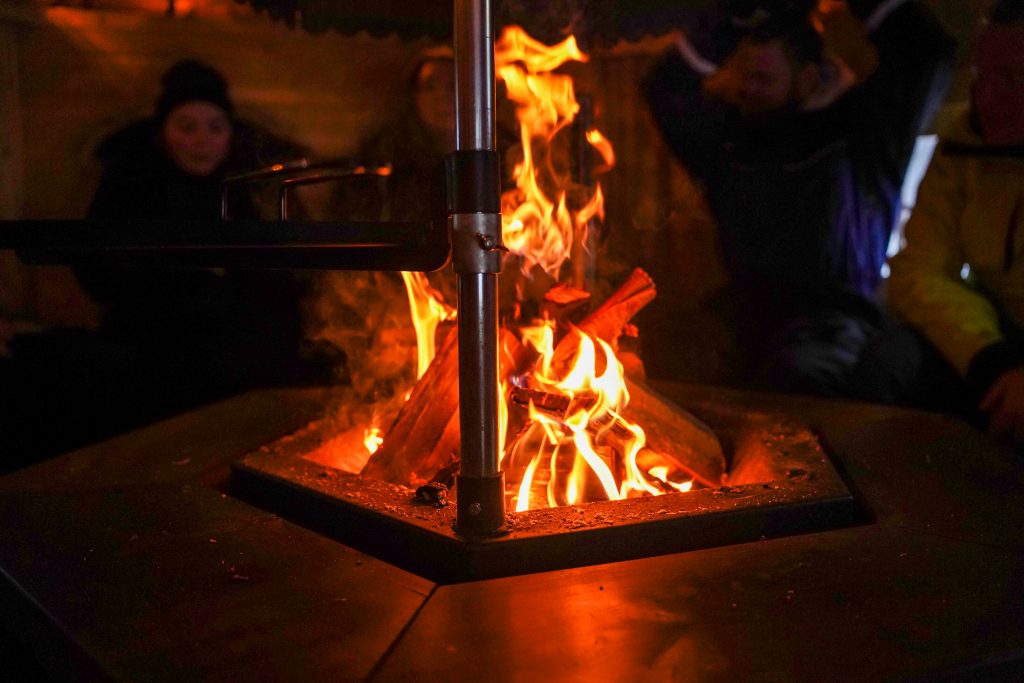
[
  {"x": 195, "y": 117},
  {"x": 170, "y": 165},
  {"x": 192, "y": 81},
  {"x": 208, "y": 333}
]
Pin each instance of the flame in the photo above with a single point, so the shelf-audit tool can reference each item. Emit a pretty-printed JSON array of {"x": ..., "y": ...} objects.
[
  {"x": 428, "y": 310},
  {"x": 603, "y": 146},
  {"x": 537, "y": 224},
  {"x": 661, "y": 472},
  {"x": 590, "y": 450},
  {"x": 372, "y": 439}
]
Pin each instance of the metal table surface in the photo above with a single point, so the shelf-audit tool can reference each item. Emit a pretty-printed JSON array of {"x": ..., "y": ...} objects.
[{"x": 129, "y": 560}]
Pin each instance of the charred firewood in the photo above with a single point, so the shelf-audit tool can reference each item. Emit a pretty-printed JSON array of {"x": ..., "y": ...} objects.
[
  {"x": 558, "y": 405},
  {"x": 609, "y": 319},
  {"x": 425, "y": 435},
  {"x": 685, "y": 442},
  {"x": 565, "y": 304},
  {"x": 435, "y": 491}
]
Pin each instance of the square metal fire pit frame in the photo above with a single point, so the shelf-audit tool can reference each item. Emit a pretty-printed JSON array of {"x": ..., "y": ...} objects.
[{"x": 780, "y": 483}]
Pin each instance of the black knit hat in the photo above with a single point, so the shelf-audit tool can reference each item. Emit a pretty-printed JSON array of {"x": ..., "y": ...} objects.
[{"x": 189, "y": 81}]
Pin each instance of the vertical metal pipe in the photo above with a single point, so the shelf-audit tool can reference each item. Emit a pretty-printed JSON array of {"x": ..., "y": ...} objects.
[
  {"x": 478, "y": 374},
  {"x": 476, "y": 233},
  {"x": 474, "y": 75}
]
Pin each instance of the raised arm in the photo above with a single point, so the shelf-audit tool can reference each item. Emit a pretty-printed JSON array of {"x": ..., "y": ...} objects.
[{"x": 690, "y": 120}]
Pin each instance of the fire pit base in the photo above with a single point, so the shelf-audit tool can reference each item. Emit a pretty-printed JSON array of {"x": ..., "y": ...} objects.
[{"x": 780, "y": 483}]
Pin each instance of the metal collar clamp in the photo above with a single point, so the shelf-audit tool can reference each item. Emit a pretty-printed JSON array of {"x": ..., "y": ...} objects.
[{"x": 474, "y": 201}]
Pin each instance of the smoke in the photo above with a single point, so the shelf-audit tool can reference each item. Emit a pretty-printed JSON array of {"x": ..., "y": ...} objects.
[{"x": 366, "y": 316}]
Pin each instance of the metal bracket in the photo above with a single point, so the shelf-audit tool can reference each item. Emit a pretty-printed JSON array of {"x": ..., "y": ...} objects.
[{"x": 476, "y": 242}]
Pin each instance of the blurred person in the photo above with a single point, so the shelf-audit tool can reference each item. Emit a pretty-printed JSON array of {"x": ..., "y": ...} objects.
[
  {"x": 801, "y": 138},
  {"x": 414, "y": 141},
  {"x": 207, "y": 332},
  {"x": 959, "y": 282}
]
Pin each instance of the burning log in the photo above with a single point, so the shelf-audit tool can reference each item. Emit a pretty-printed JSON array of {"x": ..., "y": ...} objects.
[
  {"x": 565, "y": 304},
  {"x": 609, "y": 319},
  {"x": 424, "y": 437},
  {"x": 674, "y": 437},
  {"x": 421, "y": 421},
  {"x": 677, "y": 435},
  {"x": 556, "y": 404}
]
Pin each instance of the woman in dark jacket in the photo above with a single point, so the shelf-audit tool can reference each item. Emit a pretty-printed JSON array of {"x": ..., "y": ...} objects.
[{"x": 208, "y": 332}]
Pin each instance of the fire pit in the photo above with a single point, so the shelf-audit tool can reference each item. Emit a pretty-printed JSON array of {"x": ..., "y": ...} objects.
[
  {"x": 779, "y": 482},
  {"x": 561, "y": 416}
]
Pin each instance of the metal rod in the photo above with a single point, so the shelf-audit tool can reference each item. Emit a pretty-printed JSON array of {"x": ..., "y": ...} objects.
[
  {"x": 198, "y": 243},
  {"x": 474, "y": 75},
  {"x": 478, "y": 373},
  {"x": 476, "y": 228}
]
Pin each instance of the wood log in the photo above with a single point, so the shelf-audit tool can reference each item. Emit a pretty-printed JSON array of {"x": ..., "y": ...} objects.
[
  {"x": 566, "y": 304},
  {"x": 421, "y": 421},
  {"x": 608, "y": 320},
  {"x": 687, "y": 443},
  {"x": 424, "y": 437},
  {"x": 675, "y": 438},
  {"x": 559, "y": 406}
]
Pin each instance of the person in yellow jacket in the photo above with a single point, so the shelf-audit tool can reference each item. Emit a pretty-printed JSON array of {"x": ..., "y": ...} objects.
[{"x": 959, "y": 282}]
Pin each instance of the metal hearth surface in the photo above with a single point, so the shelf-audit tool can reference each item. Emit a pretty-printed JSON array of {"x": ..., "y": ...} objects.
[{"x": 789, "y": 486}]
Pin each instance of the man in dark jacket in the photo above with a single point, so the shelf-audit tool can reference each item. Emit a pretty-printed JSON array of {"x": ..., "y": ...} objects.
[{"x": 801, "y": 139}]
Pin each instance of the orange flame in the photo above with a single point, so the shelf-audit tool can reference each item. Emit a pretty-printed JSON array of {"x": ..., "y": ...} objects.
[
  {"x": 589, "y": 451},
  {"x": 428, "y": 310},
  {"x": 537, "y": 225},
  {"x": 603, "y": 146}
]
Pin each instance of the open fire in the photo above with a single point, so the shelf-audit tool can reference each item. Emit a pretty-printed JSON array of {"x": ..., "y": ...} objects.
[
  {"x": 568, "y": 432},
  {"x": 585, "y": 438},
  {"x": 577, "y": 426}
]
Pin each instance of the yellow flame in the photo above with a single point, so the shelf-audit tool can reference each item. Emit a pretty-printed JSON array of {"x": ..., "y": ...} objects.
[
  {"x": 524, "y": 487},
  {"x": 602, "y": 145},
  {"x": 428, "y": 310},
  {"x": 372, "y": 439},
  {"x": 502, "y": 419},
  {"x": 593, "y": 208},
  {"x": 661, "y": 472},
  {"x": 537, "y": 224},
  {"x": 592, "y": 431}
]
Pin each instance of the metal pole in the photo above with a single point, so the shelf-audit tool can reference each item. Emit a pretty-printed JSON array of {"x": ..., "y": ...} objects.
[
  {"x": 476, "y": 243},
  {"x": 474, "y": 76}
]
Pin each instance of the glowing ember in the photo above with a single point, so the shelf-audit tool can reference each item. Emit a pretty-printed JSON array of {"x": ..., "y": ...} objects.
[
  {"x": 537, "y": 224},
  {"x": 428, "y": 310}
]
